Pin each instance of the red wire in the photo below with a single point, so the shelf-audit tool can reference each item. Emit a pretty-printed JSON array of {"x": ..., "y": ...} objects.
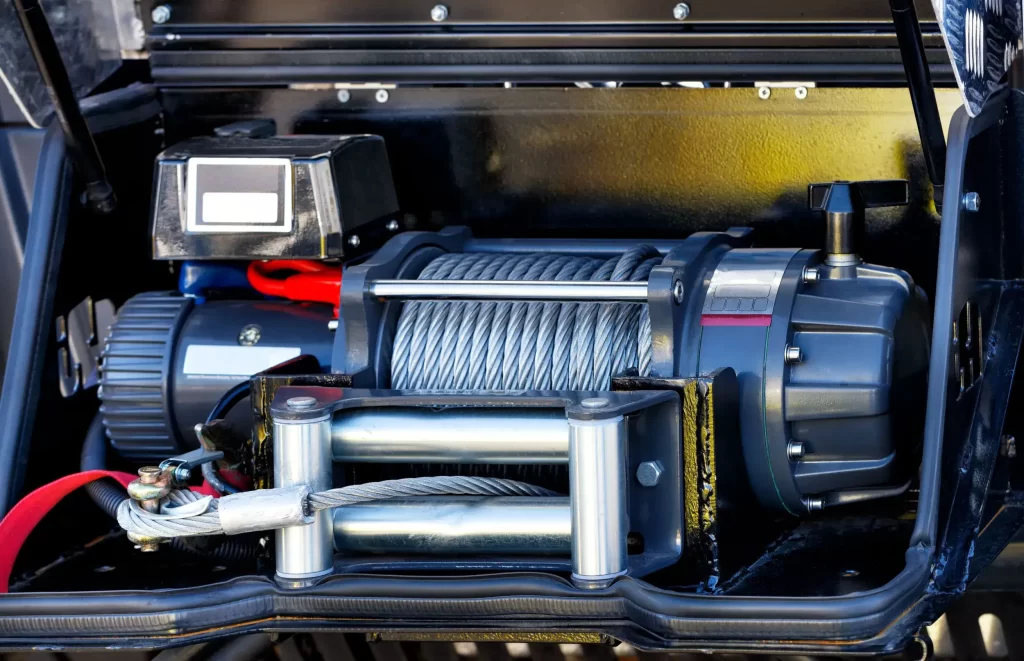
[
  {"x": 30, "y": 510},
  {"x": 310, "y": 281}
]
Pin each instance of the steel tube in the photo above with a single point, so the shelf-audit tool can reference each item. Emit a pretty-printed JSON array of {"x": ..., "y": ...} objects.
[
  {"x": 456, "y": 436},
  {"x": 511, "y": 290},
  {"x": 450, "y": 525},
  {"x": 302, "y": 456},
  {"x": 597, "y": 490}
]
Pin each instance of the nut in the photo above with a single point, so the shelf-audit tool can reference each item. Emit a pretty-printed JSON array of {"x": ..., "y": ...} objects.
[
  {"x": 161, "y": 14},
  {"x": 249, "y": 335},
  {"x": 649, "y": 473},
  {"x": 971, "y": 202},
  {"x": 681, "y": 11},
  {"x": 438, "y": 13}
]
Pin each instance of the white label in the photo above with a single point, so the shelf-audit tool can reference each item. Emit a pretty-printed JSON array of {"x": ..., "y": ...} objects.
[
  {"x": 233, "y": 361},
  {"x": 241, "y": 208}
]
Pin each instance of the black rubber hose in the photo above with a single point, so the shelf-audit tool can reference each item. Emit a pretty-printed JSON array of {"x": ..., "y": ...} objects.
[
  {"x": 108, "y": 495},
  {"x": 228, "y": 401},
  {"x": 105, "y": 493}
]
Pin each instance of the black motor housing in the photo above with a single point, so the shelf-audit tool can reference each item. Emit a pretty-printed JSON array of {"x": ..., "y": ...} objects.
[{"x": 169, "y": 358}]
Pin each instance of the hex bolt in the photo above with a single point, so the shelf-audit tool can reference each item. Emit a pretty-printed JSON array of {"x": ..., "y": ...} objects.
[
  {"x": 681, "y": 12},
  {"x": 161, "y": 14},
  {"x": 344, "y": 96},
  {"x": 794, "y": 355},
  {"x": 811, "y": 274},
  {"x": 301, "y": 403},
  {"x": 594, "y": 403},
  {"x": 182, "y": 474},
  {"x": 439, "y": 13},
  {"x": 764, "y": 92},
  {"x": 382, "y": 96},
  {"x": 392, "y": 226},
  {"x": 678, "y": 291},
  {"x": 814, "y": 503},
  {"x": 354, "y": 241},
  {"x": 971, "y": 202},
  {"x": 249, "y": 335},
  {"x": 795, "y": 450},
  {"x": 800, "y": 92},
  {"x": 649, "y": 473}
]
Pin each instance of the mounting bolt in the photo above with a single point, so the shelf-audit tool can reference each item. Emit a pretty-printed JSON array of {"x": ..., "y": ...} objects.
[
  {"x": 301, "y": 403},
  {"x": 677, "y": 291},
  {"x": 354, "y": 241},
  {"x": 392, "y": 226},
  {"x": 649, "y": 473},
  {"x": 332, "y": 325},
  {"x": 971, "y": 202},
  {"x": 161, "y": 14},
  {"x": 1008, "y": 446},
  {"x": 249, "y": 335},
  {"x": 811, "y": 275},
  {"x": 814, "y": 503},
  {"x": 794, "y": 355},
  {"x": 182, "y": 474},
  {"x": 800, "y": 92},
  {"x": 681, "y": 12},
  {"x": 438, "y": 13},
  {"x": 382, "y": 96},
  {"x": 344, "y": 96},
  {"x": 795, "y": 450},
  {"x": 764, "y": 92},
  {"x": 594, "y": 403}
]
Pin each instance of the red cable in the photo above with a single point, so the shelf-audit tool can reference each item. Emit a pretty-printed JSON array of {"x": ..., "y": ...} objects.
[
  {"x": 310, "y": 281},
  {"x": 23, "y": 517}
]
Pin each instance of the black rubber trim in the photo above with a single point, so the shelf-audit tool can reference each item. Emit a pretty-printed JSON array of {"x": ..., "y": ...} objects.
[{"x": 43, "y": 249}]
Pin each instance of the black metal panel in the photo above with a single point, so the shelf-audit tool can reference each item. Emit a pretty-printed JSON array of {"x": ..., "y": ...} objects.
[
  {"x": 523, "y": 12},
  {"x": 658, "y": 163}
]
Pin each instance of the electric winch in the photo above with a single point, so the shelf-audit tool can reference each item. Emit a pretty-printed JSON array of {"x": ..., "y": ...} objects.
[{"x": 606, "y": 398}]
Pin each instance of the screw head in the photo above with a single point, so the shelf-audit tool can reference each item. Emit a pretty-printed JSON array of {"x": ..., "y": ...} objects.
[
  {"x": 764, "y": 92},
  {"x": 382, "y": 96},
  {"x": 354, "y": 241},
  {"x": 971, "y": 202},
  {"x": 800, "y": 92},
  {"x": 249, "y": 335},
  {"x": 681, "y": 12},
  {"x": 161, "y": 14},
  {"x": 438, "y": 13},
  {"x": 344, "y": 96},
  {"x": 811, "y": 274},
  {"x": 392, "y": 226},
  {"x": 649, "y": 473},
  {"x": 301, "y": 403},
  {"x": 678, "y": 291},
  {"x": 594, "y": 403},
  {"x": 794, "y": 355},
  {"x": 795, "y": 450}
]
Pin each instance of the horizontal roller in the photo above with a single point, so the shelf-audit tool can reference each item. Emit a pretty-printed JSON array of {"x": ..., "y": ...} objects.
[
  {"x": 456, "y": 525},
  {"x": 456, "y": 436}
]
